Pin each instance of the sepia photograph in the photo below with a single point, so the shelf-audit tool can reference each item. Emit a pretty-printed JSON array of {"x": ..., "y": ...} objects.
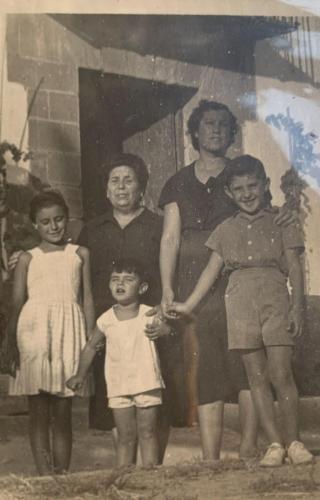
[{"x": 160, "y": 249}]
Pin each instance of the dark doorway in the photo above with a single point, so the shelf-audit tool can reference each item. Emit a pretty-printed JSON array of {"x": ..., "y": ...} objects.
[{"x": 120, "y": 113}]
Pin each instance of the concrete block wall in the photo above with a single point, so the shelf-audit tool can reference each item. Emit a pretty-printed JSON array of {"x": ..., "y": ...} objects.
[{"x": 44, "y": 57}]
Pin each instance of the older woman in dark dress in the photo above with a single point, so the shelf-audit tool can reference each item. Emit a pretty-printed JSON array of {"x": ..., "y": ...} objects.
[{"x": 126, "y": 229}]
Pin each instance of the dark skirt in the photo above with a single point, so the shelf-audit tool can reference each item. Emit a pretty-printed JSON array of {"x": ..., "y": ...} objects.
[{"x": 220, "y": 373}]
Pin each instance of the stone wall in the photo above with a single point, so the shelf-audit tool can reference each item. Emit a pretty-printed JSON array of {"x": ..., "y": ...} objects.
[{"x": 43, "y": 57}]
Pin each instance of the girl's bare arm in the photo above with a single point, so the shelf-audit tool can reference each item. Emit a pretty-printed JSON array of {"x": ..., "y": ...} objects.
[
  {"x": 86, "y": 358},
  {"x": 88, "y": 304},
  {"x": 19, "y": 292},
  {"x": 19, "y": 296}
]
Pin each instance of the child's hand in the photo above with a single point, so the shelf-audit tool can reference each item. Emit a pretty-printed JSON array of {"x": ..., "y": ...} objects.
[
  {"x": 295, "y": 322},
  {"x": 74, "y": 383},
  {"x": 157, "y": 327},
  {"x": 12, "y": 356}
]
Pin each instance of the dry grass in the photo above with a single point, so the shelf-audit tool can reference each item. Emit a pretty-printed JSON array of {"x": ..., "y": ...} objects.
[
  {"x": 184, "y": 481},
  {"x": 293, "y": 481},
  {"x": 163, "y": 483}
]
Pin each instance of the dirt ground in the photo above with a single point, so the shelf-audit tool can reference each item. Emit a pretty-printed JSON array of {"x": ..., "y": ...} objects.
[{"x": 183, "y": 475}]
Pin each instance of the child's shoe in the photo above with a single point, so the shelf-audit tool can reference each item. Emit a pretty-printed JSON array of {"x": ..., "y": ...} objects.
[
  {"x": 298, "y": 454},
  {"x": 274, "y": 456}
]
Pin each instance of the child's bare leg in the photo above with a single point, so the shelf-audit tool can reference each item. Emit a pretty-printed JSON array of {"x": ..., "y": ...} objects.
[
  {"x": 256, "y": 365},
  {"x": 211, "y": 428},
  {"x": 39, "y": 421},
  {"x": 114, "y": 434},
  {"x": 281, "y": 376},
  {"x": 249, "y": 425},
  {"x": 147, "y": 419},
  {"x": 163, "y": 430},
  {"x": 61, "y": 433},
  {"x": 126, "y": 422}
]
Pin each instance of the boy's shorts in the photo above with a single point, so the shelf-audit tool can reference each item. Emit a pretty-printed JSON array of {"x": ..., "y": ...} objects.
[
  {"x": 143, "y": 400},
  {"x": 257, "y": 304}
]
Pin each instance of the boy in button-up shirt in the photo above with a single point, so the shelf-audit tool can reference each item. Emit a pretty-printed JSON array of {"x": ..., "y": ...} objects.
[{"x": 259, "y": 255}]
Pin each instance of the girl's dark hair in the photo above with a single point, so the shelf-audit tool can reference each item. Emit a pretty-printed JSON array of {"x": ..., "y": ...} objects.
[
  {"x": 197, "y": 115},
  {"x": 129, "y": 265},
  {"x": 128, "y": 160},
  {"x": 44, "y": 199},
  {"x": 244, "y": 165}
]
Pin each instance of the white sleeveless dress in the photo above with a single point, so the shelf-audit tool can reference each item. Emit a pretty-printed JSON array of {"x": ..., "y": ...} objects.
[{"x": 51, "y": 325}]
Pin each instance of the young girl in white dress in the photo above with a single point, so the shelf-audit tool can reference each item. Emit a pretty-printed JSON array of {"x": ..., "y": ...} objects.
[{"x": 52, "y": 310}]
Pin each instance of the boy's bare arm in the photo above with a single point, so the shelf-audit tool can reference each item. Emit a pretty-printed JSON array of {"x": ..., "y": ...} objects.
[
  {"x": 207, "y": 279},
  {"x": 297, "y": 286}
]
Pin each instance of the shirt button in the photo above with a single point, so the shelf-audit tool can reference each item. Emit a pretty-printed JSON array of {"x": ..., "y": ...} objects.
[
  {"x": 249, "y": 226},
  {"x": 250, "y": 257},
  {"x": 249, "y": 242},
  {"x": 209, "y": 190}
]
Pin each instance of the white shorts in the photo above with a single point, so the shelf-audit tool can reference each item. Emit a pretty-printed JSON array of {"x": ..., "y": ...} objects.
[{"x": 143, "y": 400}]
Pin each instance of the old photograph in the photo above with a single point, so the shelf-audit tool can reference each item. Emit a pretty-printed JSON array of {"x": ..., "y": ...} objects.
[{"x": 160, "y": 249}]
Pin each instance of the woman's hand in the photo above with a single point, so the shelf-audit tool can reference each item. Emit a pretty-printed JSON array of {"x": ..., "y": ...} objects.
[
  {"x": 75, "y": 383},
  {"x": 286, "y": 216},
  {"x": 13, "y": 260},
  {"x": 166, "y": 302}
]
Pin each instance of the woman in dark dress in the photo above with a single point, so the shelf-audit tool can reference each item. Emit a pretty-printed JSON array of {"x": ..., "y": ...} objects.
[
  {"x": 194, "y": 203},
  {"x": 126, "y": 230}
]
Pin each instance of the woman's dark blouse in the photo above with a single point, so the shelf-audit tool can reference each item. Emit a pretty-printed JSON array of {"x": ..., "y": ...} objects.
[
  {"x": 108, "y": 242},
  {"x": 202, "y": 206}
]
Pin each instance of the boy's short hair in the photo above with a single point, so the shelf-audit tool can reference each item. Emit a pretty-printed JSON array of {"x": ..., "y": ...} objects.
[
  {"x": 244, "y": 165},
  {"x": 129, "y": 266}
]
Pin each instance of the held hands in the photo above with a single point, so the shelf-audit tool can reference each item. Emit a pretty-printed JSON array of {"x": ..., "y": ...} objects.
[
  {"x": 75, "y": 383},
  {"x": 157, "y": 326},
  {"x": 166, "y": 302},
  {"x": 178, "y": 309},
  {"x": 295, "y": 322},
  {"x": 168, "y": 307}
]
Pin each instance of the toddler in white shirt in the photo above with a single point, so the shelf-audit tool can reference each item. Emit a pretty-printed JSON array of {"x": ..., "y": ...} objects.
[{"x": 132, "y": 368}]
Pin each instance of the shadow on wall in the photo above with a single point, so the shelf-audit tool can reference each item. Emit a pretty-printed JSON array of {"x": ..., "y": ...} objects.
[{"x": 305, "y": 165}]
